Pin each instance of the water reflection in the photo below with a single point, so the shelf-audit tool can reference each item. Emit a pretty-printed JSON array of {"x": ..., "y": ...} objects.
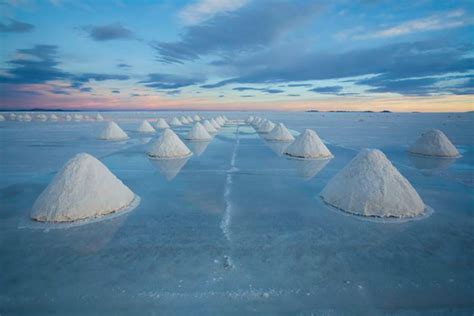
[
  {"x": 277, "y": 147},
  {"x": 169, "y": 167},
  {"x": 430, "y": 165},
  {"x": 198, "y": 147},
  {"x": 309, "y": 168}
]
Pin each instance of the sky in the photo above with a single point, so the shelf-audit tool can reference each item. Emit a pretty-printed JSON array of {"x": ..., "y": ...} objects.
[{"x": 415, "y": 55}]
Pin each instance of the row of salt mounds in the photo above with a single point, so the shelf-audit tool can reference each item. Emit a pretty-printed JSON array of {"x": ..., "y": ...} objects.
[
  {"x": 168, "y": 145},
  {"x": 84, "y": 188},
  {"x": 215, "y": 124},
  {"x": 434, "y": 143},
  {"x": 209, "y": 127},
  {"x": 161, "y": 124},
  {"x": 112, "y": 132},
  {"x": 280, "y": 133},
  {"x": 266, "y": 127},
  {"x": 308, "y": 145},
  {"x": 175, "y": 122},
  {"x": 371, "y": 186},
  {"x": 145, "y": 127},
  {"x": 198, "y": 133}
]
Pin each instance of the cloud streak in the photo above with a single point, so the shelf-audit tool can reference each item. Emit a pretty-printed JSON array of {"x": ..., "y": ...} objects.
[
  {"x": 15, "y": 26},
  {"x": 108, "y": 32}
]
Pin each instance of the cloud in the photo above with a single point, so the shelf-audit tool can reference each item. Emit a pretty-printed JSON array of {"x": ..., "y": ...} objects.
[
  {"x": 446, "y": 20},
  {"x": 267, "y": 90},
  {"x": 86, "y": 89},
  {"x": 394, "y": 61},
  {"x": 108, "y": 32},
  {"x": 59, "y": 91},
  {"x": 123, "y": 65},
  {"x": 251, "y": 27},
  {"x": 34, "y": 65},
  {"x": 169, "y": 81},
  {"x": 247, "y": 96},
  {"x": 305, "y": 85},
  {"x": 204, "y": 9},
  {"x": 16, "y": 27},
  {"x": 173, "y": 92},
  {"x": 293, "y": 95},
  {"x": 327, "y": 90}
]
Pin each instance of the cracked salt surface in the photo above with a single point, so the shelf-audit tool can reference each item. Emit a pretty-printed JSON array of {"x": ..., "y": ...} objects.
[{"x": 238, "y": 228}]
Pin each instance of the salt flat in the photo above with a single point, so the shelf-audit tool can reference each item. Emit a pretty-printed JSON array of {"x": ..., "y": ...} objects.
[{"x": 238, "y": 227}]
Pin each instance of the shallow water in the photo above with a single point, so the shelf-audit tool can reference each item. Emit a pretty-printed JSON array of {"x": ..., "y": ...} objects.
[{"x": 238, "y": 228}]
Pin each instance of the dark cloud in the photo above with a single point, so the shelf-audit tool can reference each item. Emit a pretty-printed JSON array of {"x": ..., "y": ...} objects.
[
  {"x": 293, "y": 95},
  {"x": 59, "y": 91},
  {"x": 85, "y": 89},
  {"x": 79, "y": 80},
  {"x": 35, "y": 65},
  {"x": 267, "y": 90},
  {"x": 249, "y": 28},
  {"x": 173, "y": 92},
  {"x": 108, "y": 32},
  {"x": 247, "y": 96},
  {"x": 168, "y": 81},
  {"x": 115, "y": 91},
  {"x": 16, "y": 27},
  {"x": 304, "y": 85},
  {"x": 122, "y": 65},
  {"x": 327, "y": 90},
  {"x": 393, "y": 62}
]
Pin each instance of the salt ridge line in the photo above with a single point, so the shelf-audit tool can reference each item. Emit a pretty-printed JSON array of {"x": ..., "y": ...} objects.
[{"x": 225, "y": 223}]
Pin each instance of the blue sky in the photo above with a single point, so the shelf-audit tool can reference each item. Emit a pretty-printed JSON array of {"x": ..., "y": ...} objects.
[{"x": 240, "y": 54}]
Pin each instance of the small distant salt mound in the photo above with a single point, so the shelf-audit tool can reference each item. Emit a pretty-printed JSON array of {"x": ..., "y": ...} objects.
[
  {"x": 161, "y": 124},
  {"x": 87, "y": 118},
  {"x": 53, "y": 117},
  {"x": 99, "y": 117},
  {"x": 215, "y": 124},
  {"x": 220, "y": 120},
  {"x": 256, "y": 121},
  {"x": 196, "y": 118},
  {"x": 184, "y": 120},
  {"x": 198, "y": 132},
  {"x": 371, "y": 186},
  {"x": 84, "y": 188},
  {"x": 2, "y": 118},
  {"x": 308, "y": 145},
  {"x": 12, "y": 116},
  {"x": 41, "y": 117},
  {"x": 280, "y": 133},
  {"x": 266, "y": 127},
  {"x": 68, "y": 117},
  {"x": 169, "y": 146},
  {"x": 27, "y": 118},
  {"x": 77, "y": 117},
  {"x": 113, "y": 132},
  {"x": 209, "y": 127},
  {"x": 175, "y": 122},
  {"x": 249, "y": 119},
  {"x": 189, "y": 118},
  {"x": 145, "y": 127},
  {"x": 434, "y": 143}
]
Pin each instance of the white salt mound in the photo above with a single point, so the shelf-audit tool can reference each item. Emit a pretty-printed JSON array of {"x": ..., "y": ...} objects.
[
  {"x": 169, "y": 146},
  {"x": 184, "y": 120},
  {"x": 161, "y": 124},
  {"x": 112, "y": 132},
  {"x": 41, "y": 117},
  {"x": 434, "y": 143},
  {"x": 215, "y": 124},
  {"x": 99, "y": 117},
  {"x": 189, "y": 118},
  {"x": 68, "y": 117},
  {"x": 209, "y": 127},
  {"x": 308, "y": 145},
  {"x": 249, "y": 119},
  {"x": 12, "y": 116},
  {"x": 145, "y": 127},
  {"x": 280, "y": 133},
  {"x": 266, "y": 127},
  {"x": 220, "y": 120},
  {"x": 2, "y": 118},
  {"x": 175, "y": 122},
  {"x": 371, "y": 186},
  {"x": 77, "y": 117},
  {"x": 53, "y": 117},
  {"x": 198, "y": 132},
  {"x": 196, "y": 118},
  {"x": 84, "y": 188},
  {"x": 26, "y": 118}
]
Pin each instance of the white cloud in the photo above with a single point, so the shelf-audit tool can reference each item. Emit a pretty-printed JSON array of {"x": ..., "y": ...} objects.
[
  {"x": 447, "y": 20},
  {"x": 205, "y": 9}
]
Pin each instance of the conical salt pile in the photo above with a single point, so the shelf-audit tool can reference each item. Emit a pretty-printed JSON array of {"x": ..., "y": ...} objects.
[
  {"x": 175, "y": 122},
  {"x": 308, "y": 145},
  {"x": 68, "y": 117},
  {"x": 99, "y": 117},
  {"x": 77, "y": 117},
  {"x": 215, "y": 124},
  {"x": 183, "y": 120},
  {"x": 145, "y": 127},
  {"x": 196, "y": 118},
  {"x": 2, "y": 118},
  {"x": 84, "y": 188},
  {"x": 249, "y": 119},
  {"x": 189, "y": 118},
  {"x": 161, "y": 124},
  {"x": 12, "y": 116},
  {"x": 169, "y": 146},
  {"x": 434, "y": 143},
  {"x": 53, "y": 117},
  {"x": 266, "y": 127},
  {"x": 112, "y": 132},
  {"x": 209, "y": 127},
  {"x": 220, "y": 120},
  {"x": 280, "y": 133},
  {"x": 198, "y": 132},
  {"x": 371, "y": 186},
  {"x": 41, "y": 117},
  {"x": 27, "y": 117}
]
